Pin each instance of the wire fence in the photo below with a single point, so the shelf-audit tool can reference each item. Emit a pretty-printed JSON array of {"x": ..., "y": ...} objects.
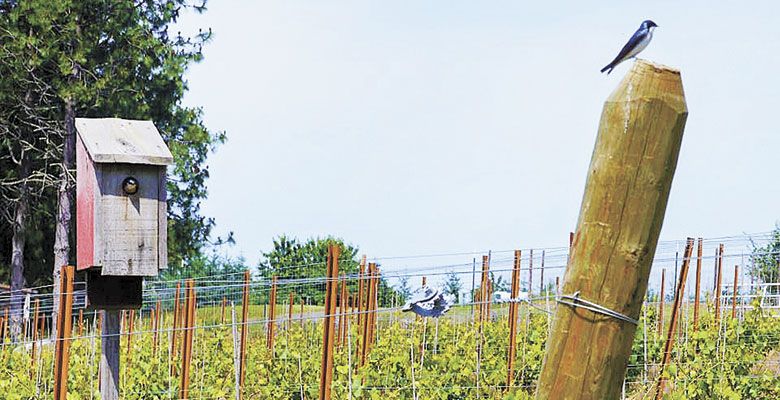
[{"x": 462, "y": 354}]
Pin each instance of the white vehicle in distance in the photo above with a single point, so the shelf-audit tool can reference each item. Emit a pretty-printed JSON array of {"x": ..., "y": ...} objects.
[{"x": 506, "y": 297}]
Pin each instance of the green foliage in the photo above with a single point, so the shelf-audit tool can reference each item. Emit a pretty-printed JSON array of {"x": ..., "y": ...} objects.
[
  {"x": 766, "y": 261},
  {"x": 732, "y": 364},
  {"x": 212, "y": 265},
  {"x": 293, "y": 259},
  {"x": 717, "y": 361},
  {"x": 109, "y": 59},
  {"x": 453, "y": 286},
  {"x": 404, "y": 290}
]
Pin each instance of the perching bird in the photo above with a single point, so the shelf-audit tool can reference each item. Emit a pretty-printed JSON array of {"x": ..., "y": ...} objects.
[
  {"x": 428, "y": 302},
  {"x": 636, "y": 44}
]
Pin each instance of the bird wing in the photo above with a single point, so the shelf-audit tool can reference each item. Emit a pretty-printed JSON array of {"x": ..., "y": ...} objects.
[
  {"x": 423, "y": 294},
  {"x": 630, "y": 45}
]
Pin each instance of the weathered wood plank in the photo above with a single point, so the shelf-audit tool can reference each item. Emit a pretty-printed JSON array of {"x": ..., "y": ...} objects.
[
  {"x": 114, "y": 140},
  {"x": 130, "y": 223}
]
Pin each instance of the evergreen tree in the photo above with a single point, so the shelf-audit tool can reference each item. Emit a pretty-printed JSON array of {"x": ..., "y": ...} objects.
[
  {"x": 453, "y": 286},
  {"x": 60, "y": 59},
  {"x": 404, "y": 291}
]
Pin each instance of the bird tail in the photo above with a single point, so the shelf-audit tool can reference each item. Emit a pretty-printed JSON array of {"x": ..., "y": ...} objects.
[{"x": 608, "y": 68}]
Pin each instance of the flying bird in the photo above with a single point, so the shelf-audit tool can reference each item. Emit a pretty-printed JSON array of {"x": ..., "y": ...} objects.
[
  {"x": 636, "y": 44},
  {"x": 428, "y": 302}
]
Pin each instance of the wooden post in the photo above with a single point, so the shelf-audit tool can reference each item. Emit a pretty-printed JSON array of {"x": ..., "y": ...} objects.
[
  {"x": 186, "y": 348},
  {"x": 174, "y": 329},
  {"x": 718, "y": 283},
  {"x": 109, "y": 355},
  {"x": 64, "y": 326},
  {"x": 290, "y": 303},
  {"x": 678, "y": 298},
  {"x": 269, "y": 341},
  {"x": 331, "y": 287},
  {"x": 661, "y": 301},
  {"x": 244, "y": 329},
  {"x": 622, "y": 212},
  {"x": 699, "y": 253},
  {"x": 513, "y": 320},
  {"x": 734, "y": 292}
]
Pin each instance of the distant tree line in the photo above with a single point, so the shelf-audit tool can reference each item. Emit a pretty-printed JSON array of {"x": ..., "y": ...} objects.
[{"x": 305, "y": 262}]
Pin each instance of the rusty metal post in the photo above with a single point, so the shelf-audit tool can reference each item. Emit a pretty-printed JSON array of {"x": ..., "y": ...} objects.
[
  {"x": 374, "y": 307},
  {"x": 269, "y": 340},
  {"x": 361, "y": 289},
  {"x": 331, "y": 287},
  {"x": 699, "y": 253},
  {"x": 718, "y": 283},
  {"x": 244, "y": 329},
  {"x": 175, "y": 328},
  {"x": 661, "y": 302},
  {"x": 3, "y": 328},
  {"x": 342, "y": 312},
  {"x": 365, "y": 328},
  {"x": 483, "y": 290},
  {"x": 129, "y": 332},
  {"x": 302, "y": 319},
  {"x": 64, "y": 326},
  {"x": 290, "y": 303},
  {"x": 513, "y": 320},
  {"x": 531, "y": 272},
  {"x": 157, "y": 317},
  {"x": 489, "y": 298},
  {"x": 541, "y": 276},
  {"x": 35, "y": 323},
  {"x": 734, "y": 292},
  {"x": 224, "y": 303},
  {"x": 186, "y": 349},
  {"x": 678, "y": 299}
]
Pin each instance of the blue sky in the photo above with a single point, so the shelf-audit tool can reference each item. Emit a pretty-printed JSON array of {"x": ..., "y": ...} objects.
[{"x": 418, "y": 127}]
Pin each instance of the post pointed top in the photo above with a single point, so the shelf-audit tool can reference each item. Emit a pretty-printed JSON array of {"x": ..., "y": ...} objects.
[{"x": 648, "y": 80}]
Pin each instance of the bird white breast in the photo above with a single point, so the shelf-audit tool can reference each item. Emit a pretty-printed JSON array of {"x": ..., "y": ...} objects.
[{"x": 641, "y": 45}]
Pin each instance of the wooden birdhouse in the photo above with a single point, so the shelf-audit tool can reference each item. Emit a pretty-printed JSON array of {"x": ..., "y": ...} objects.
[{"x": 121, "y": 232}]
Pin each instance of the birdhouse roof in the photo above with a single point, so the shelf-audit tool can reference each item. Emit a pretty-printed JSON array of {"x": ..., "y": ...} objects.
[{"x": 115, "y": 140}]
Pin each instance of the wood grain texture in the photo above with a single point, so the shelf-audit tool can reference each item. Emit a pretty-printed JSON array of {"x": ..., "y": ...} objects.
[
  {"x": 86, "y": 187},
  {"x": 628, "y": 185},
  {"x": 129, "y": 229},
  {"x": 109, "y": 355},
  {"x": 114, "y": 140}
]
